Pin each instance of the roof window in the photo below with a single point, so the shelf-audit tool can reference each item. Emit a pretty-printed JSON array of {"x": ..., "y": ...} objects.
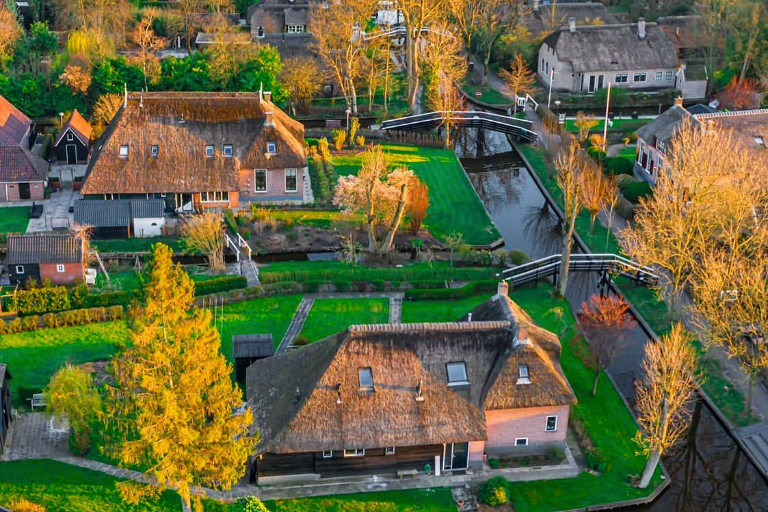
[
  {"x": 271, "y": 148},
  {"x": 228, "y": 150},
  {"x": 457, "y": 373},
  {"x": 209, "y": 151},
  {"x": 524, "y": 377},
  {"x": 155, "y": 150},
  {"x": 124, "y": 151},
  {"x": 365, "y": 375}
]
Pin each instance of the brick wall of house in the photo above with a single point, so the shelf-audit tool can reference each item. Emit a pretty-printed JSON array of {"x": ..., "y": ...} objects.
[
  {"x": 476, "y": 451},
  {"x": 10, "y": 191},
  {"x": 504, "y": 426},
  {"x": 275, "y": 185},
  {"x": 234, "y": 202},
  {"x": 72, "y": 273}
]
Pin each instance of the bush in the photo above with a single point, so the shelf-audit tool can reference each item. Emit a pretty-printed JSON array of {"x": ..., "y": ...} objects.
[
  {"x": 339, "y": 137},
  {"x": 518, "y": 257},
  {"x": 220, "y": 284},
  {"x": 620, "y": 165},
  {"x": 110, "y": 299},
  {"x": 229, "y": 219},
  {"x": 42, "y": 300},
  {"x": 493, "y": 463},
  {"x": 361, "y": 273},
  {"x": 452, "y": 293},
  {"x": 595, "y": 459},
  {"x": 636, "y": 190},
  {"x": 250, "y": 504},
  {"x": 494, "y": 492}
]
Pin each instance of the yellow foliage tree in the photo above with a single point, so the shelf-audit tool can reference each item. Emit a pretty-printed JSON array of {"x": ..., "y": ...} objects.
[
  {"x": 584, "y": 122},
  {"x": 10, "y": 32},
  {"x": 71, "y": 395}
]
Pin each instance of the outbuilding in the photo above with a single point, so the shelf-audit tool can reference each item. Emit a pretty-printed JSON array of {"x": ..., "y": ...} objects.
[
  {"x": 247, "y": 349},
  {"x": 74, "y": 140},
  {"x": 148, "y": 217},
  {"x": 42, "y": 257}
]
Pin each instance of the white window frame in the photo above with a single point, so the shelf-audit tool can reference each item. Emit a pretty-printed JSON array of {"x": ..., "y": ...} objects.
[
  {"x": 260, "y": 33},
  {"x": 123, "y": 152},
  {"x": 295, "y": 29},
  {"x": 272, "y": 148},
  {"x": 525, "y": 439},
  {"x": 19, "y": 269},
  {"x": 365, "y": 388},
  {"x": 524, "y": 374},
  {"x": 668, "y": 76},
  {"x": 458, "y": 382},
  {"x": 228, "y": 151},
  {"x": 70, "y": 136},
  {"x": 295, "y": 173},
  {"x": 214, "y": 197},
  {"x": 644, "y": 77},
  {"x": 327, "y": 454},
  {"x": 546, "y": 424},
  {"x": 266, "y": 182},
  {"x": 622, "y": 78},
  {"x": 154, "y": 150},
  {"x": 389, "y": 450},
  {"x": 210, "y": 152},
  {"x": 354, "y": 452},
  {"x": 659, "y": 76},
  {"x": 60, "y": 268}
]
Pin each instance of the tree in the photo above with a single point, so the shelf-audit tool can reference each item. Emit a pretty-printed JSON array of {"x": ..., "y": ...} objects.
[
  {"x": 418, "y": 204},
  {"x": 741, "y": 94},
  {"x": 77, "y": 78},
  {"x": 747, "y": 23},
  {"x": 664, "y": 395},
  {"x": 188, "y": 11},
  {"x": 714, "y": 15},
  {"x": 380, "y": 194},
  {"x": 444, "y": 96},
  {"x": 570, "y": 165},
  {"x": 465, "y": 15},
  {"x": 71, "y": 395},
  {"x": 584, "y": 122},
  {"x": 519, "y": 78},
  {"x": 10, "y": 33},
  {"x": 605, "y": 321},
  {"x": 204, "y": 233},
  {"x": 496, "y": 17},
  {"x": 144, "y": 36},
  {"x": 303, "y": 77},
  {"x": 106, "y": 107},
  {"x": 596, "y": 193},
  {"x": 229, "y": 53},
  {"x": 170, "y": 407}
]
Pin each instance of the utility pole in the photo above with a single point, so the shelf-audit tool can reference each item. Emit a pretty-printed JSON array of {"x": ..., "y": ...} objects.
[{"x": 605, "y": 125}]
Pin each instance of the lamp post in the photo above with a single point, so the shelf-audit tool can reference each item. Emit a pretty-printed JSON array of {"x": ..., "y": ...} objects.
[
  {"x": 348, "y": 111},
  {"x": 557, "y": 106}
]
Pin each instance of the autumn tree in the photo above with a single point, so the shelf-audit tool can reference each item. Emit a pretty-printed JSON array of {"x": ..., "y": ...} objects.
[
  {"x": 443, "y": 96},
  {"x": 417, "y": 16},
  {"x": 76, "y": 78},
  {"x": 303, "y": 77},
  {"x": 584, "y": 123},
  {"x": 380, "y": 194},
  {"x": 204, "y": 234},
  {"x": 10, "y": 33},
  {"x": 71, "y": 395},
  {"x": 171, "y": 406},
  {"x": 605, "y": 321},
  {"x": 741, "y": 94},
  {"x": 229, "y": 52},
  {"x": 465, "y": 14},
  {"x": 148, "y": 42},
  {"x": 670, "y": 378},
  {"x": 495, "y": 18},
  {"x": 570, "y": 165},
  {"x": 418, "y": 204},
  {"x": 105, "y": 109},
  {"x": 188, "y": 10},
  {"x": 519, "y": 78},
  {"x": 596, "y": 193},
  {"x": 103, "y": 22}
]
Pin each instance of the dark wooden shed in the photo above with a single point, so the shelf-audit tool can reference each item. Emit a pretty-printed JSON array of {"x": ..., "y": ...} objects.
[{"x": 248, "y": 348}]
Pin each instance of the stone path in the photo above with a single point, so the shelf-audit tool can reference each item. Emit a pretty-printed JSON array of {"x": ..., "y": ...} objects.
[
  {"x": 297, "y": 323},
  {"x": 396, "y": 310},
  {"x": 31, "y": 437}
]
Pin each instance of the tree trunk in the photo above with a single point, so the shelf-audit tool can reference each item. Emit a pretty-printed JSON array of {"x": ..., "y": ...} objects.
[
  {"x": 597, "y": 378},
  {"x": 397, "y": 220},
  {"x": 592, "y": 224},
  {"x": 565, "y": 262},
  {"x": 486, "y": 60},
  {"x": 650, "y": 467},
  {"x": 353, "y": 93}
]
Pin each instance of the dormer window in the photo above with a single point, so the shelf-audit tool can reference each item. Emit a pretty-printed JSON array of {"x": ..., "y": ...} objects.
[
  {"x": 70, "y": 136},
  {"x": 365, "y": 376},
  {"x": 209, "y": 151},
  {"x": 457, "y": 373},
  {"x": 124, "y": 151},
  {"x": 271, "y": 148},
  {"x": 523, "y": 376},
  {"x": 759, "y": 141},
  {"x": 260, "y": 32},
  {"x": 228, "y": 150},
  {"x": 155, "y": 150}
]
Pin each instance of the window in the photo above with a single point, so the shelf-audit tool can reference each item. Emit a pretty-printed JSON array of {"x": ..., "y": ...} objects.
[
  {"x": 209, "y": 151},
  {"x": 295, "y": 29},
  {"x": 355, "y": 452},
  {"x": 669, "y": 76},
  {"x": 457, "y": 373},
  {"x": 365, "y": 375},
  {"x": 290, "y": 180},
  {"x": 214, "y": 197},
  {"x": 639, "y": 77},
  {"x": 622, "y": 79},
  {"x": 228, "y": 150},
  {"x": 523, "y": 376},
  {"x": 521, "y": 441},
  {"x": 659, "y": 76},
  {"x": 551, "y": 424},
  {"x": 60, "y": 269},
  {"x": 660, "y": 146},
  {"x": 260, "y": 32},
  {"x": 70, "y": 136},
  {"x": 260, "y": 180},
  {"x": 328, "y": 454},
  {"x": 155, "y": 150},
  {"x": 271, "y": 148},
  {"x": 19, "y": 269},
  {"x": 389, "y": 450},
  {"x": 124, "y": 151}
]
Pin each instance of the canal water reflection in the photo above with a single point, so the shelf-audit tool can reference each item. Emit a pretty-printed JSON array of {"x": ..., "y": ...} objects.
[{"x": 709, "y": 471}]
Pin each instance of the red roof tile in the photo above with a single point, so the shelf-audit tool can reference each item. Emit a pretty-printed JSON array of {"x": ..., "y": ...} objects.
[
  {"x": 19, "y": 165},
  {"x": 79, "y": 126},
  {"x": 13, "y": 124}
]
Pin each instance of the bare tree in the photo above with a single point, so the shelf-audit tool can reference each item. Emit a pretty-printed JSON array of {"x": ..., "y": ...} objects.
[
  {"x": 144, "y": 36},
  {"x": 664, "y": 396},
  {"x": 230, "y": 51},
  {"x": 444, "y": 96},
  {"x": 303, "y": 77},
  {"x": 496, "y": 17},
  {"x": 204, "y": 233},
  {"x": 10, "y": 32},
  {"x": 417, "y": 15},
  {"x": 596, "y": 193},
  {"x": 465, "y": 15},
  {"x": 570, "y": 164},
  {"x": 188, "y": 10}
]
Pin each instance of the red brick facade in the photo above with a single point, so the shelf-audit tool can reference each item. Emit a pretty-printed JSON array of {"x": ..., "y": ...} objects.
[
  {"x": 505, "y": 426},
  {"x": 72, "y": 272}
]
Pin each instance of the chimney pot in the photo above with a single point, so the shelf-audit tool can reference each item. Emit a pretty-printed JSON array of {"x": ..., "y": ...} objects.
[
  {"x": 679, "y": 101},
  {"x": 503, "y": 289},
  {"x": 268, "y": 96},
  {"x": 641, "y": 28},
  {"x": 572, "y": 24}
]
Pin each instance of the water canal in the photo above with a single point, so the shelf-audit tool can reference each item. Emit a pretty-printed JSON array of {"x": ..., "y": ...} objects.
[{"x": 709, "y": 471}]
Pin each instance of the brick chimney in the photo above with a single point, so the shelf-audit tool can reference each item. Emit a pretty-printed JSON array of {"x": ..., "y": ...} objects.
[
  {"x": 641, "y": 28},
  {"x": 679, "y": 101},
  {"x": 503, "y": 289},
  {"x": 572, "y": 24},
  {"x": 268, "y": 96},
  {"x": 270, "y": 120}
]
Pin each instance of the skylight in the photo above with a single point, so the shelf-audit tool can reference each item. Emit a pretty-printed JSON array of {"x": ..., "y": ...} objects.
[
  {"x": 365, "y": 376},
  {"x": 457, "y": 373}
]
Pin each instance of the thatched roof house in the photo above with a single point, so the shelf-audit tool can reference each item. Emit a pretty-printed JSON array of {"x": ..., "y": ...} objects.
[
  {"x": 411, "y": 385},
  {"x": 228, "y": 146}
]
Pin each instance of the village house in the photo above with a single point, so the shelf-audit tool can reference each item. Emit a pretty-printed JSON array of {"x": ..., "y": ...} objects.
[
  {"x": 5, "y": 405},
  {"x": 200, "y": 150},
  {"x": 58, "y": 258},
  {"x": 73, "y": 143},
  {"x": 395, "y": 397},
  {"x": 654, "y": 140},
  {"x": 282, "y": 24},
  {"x": 637, "y": 56},
  {"x": 23, "y": 175}
]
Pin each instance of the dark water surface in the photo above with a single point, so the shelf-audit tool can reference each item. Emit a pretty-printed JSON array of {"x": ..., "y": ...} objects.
[{"x": 709, "y": 471}]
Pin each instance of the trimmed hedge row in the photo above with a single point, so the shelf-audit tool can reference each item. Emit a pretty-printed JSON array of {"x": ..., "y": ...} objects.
[
  {"x": 62, "y": 319},
  {"x": 42, "y": 300},
  {"x": 220, "y": 284},
  {"x": 452, "y": 293},
  {"x": 379, "y": 274}
]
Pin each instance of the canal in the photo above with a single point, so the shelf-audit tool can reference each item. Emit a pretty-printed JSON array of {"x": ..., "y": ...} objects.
[{"x": 709, "y": 471}]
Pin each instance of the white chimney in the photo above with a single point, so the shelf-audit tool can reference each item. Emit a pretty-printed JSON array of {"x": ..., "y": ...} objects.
[
  {"x": 641, "y": 28},
  {"x": 536, "y": 5},
  {"x": 269, "y": 119},
  {"x": 572, "y": 24},
  {"x": 268, "y": 96},
  {"x": 503, "y": 289}
]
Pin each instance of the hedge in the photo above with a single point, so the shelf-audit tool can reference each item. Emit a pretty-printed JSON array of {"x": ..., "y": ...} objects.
[
  {"x": 378, "y": 274},
  {"x": 452, "y": 293},
  {"x": 62, "y": 319},
  {"x": 636, "y": 190},
  {"x": 42, "y": 300},
  {"x": 620, "y": 165},
  {"x": 220, "y": 284}
]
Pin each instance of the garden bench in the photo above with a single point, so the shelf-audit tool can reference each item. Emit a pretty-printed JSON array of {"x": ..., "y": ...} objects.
[
  {"x": 39, "y": 400},
  {"x": 407, "y": 472}
]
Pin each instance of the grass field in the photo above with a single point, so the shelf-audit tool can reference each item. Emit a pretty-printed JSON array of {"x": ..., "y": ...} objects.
[
  {"x": 270, "y": 315},
  {"x": 439, "y": 310},
  {"x": 34, "y": 356},
  {"x": 316, "y": 218},
  {"x": 128, "y": 280},
  {"x": 60, "y": 487},
  {"x": 454, "y": 205},
  {"x": 329, "y": 316},
  {"x": 617, "y": 125},
  {"x": 14, "y": 219},
  {"x": 488, "y": 94},
  {"x": 137, "y": 244},
  {"x": 422, "y": 500}
]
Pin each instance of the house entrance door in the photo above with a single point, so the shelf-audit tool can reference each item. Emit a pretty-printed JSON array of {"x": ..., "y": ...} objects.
[
  {"x": 591, "y": 84},
  {"x": 184, "y": 203},
  {"x": 24, "y": 191},
  {"x": 71, "y": 154},
  {"x": 456, "y": 456}
]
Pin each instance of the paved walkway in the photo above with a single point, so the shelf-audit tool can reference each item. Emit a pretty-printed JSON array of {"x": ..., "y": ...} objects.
[
  {"x": 35, "y": 436},
  {"x": 55, "y": 212}
]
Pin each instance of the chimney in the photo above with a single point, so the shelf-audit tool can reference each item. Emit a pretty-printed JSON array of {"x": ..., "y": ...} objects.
[
  {"x": 125, "y": 89},
  {"x": 268, "y": 96},
  {"x": 641, "y": 28},
  {"x": 503, "y": 289},
  {"x": 469, "y": 317},
  {"x": 572, "y": 24},
  {"x": 536, "y": 5},
  {"x": 679, "y": 101},
  {"x": 270, "y": 121}
]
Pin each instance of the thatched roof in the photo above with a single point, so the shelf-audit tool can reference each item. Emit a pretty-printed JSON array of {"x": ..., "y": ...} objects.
[
  {"x": 541, "y": 22},
  {"x": 310, "y": 399},
  {"x": 181, "y": 124}
]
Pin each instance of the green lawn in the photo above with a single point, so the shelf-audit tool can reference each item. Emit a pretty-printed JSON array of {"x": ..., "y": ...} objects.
[
  {"x": 269, "y": 315},
  {"x": 128, "y": 280},
  {"x": 34, "y": 356},
  {"x": 14, "y": 219},
  {"x": 329, "y": 316},
  {"x": 422, "y": 500},
  {"x": 316, "y": 218},
  {"x": 137, "y": 244},
  {"x": 618, "y": 125},
  {"x": 609, "y": 423},
  {"x": 439, "y": 310},
  {"x": 60, "y": 487},
  {"x": 454, "y": 206},
  {"x": 488, "y": 94}
]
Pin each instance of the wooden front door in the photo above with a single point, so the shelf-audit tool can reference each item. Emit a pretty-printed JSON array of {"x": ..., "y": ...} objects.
[
  {"x": 71, "y": 154},
  {"x": 24, "y": 191}
]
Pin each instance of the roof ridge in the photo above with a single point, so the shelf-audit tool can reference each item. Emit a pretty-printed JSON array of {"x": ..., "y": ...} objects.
[
  {"x": 566, "y": 28},
  {"x": 430, "y": 326},
  {"x": 750, "y": 112}
]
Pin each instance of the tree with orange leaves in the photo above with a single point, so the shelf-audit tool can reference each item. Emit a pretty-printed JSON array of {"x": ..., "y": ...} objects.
[
  {"x": 740, "y": 95},
  {"x": 418, "y": 204}
]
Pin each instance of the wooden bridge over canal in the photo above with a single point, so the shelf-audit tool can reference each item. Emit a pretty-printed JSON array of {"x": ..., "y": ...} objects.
[{"x": 521, "y": 129}]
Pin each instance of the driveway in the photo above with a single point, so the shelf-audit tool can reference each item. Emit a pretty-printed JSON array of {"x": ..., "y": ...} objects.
[{"x": 56, "y": 212}]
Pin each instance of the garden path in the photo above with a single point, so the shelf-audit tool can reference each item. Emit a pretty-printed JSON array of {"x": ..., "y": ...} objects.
[{"x": 31, "y": 437}]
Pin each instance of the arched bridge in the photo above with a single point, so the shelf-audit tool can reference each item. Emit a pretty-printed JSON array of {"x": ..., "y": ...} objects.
[
  {"x": 550, "y": 266},
  {"x": 520, "y": 128}
]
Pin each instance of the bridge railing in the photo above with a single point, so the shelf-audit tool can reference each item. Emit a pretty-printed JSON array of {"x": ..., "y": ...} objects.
[{"x": 550, "y": 266}]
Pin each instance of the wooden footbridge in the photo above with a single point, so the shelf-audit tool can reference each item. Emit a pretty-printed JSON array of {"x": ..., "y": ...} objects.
[
  {"x": 521, "y": 129},
  {"x": 609, "y": 263}
]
